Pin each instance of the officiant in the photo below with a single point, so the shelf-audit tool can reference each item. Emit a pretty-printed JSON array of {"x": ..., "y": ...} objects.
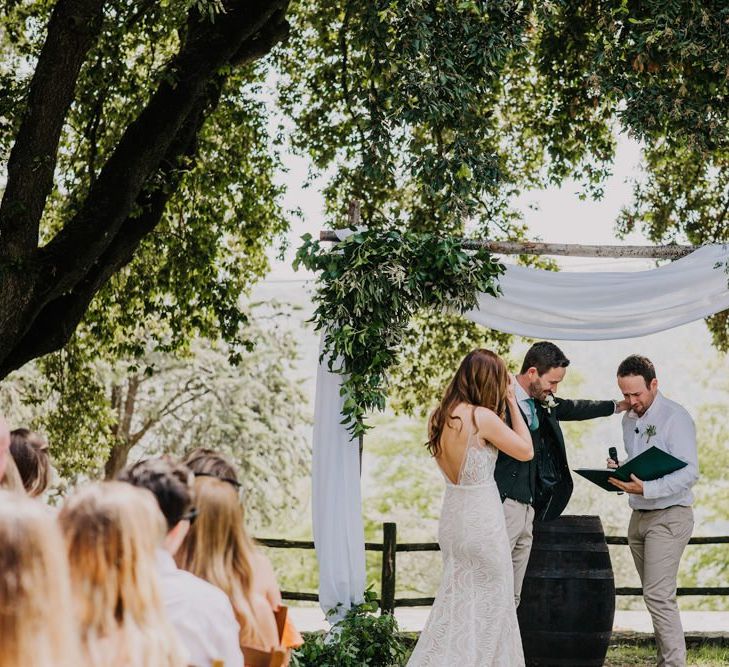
[
  {"x": 662, "y": 520},
  {"x": 541, "y": 488}
]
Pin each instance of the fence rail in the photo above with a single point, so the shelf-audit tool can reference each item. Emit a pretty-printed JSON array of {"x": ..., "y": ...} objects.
[{"x": 389, "y": 547}]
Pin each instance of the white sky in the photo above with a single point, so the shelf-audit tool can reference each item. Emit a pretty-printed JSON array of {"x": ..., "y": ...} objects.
[{"x": 560, "y": 216}]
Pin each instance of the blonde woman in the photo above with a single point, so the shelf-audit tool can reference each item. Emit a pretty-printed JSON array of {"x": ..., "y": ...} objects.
[
  {"x": 209, "y": 463},
  {"x": 112, "y": 530},
  {"x": 218, "y": 550},
  {"x": 36, "y": 610}
]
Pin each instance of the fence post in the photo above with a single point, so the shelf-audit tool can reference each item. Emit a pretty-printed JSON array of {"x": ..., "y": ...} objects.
[{"x": 389, "y": 554}]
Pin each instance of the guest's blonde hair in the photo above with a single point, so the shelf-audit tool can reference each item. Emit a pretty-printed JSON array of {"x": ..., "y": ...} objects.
[
  {"x": 36, "y": 609},
  {"x": 112, "y": 530},
  {"x": 218, "y": 549}
]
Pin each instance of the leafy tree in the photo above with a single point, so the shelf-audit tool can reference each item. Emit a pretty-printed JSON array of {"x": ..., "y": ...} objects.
[
  {"x": 139, "y": 165},
  {"x": 152, "y": 190},
  {"x": 252, "y": 411},
  {"x": 438, "y": 113}
]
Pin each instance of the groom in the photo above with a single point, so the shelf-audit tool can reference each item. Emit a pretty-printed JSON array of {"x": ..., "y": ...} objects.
[{"x": 541, "y": 488}]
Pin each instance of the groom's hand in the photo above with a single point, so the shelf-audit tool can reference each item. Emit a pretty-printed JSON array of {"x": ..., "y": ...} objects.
[{"x": 635, "y": 486}]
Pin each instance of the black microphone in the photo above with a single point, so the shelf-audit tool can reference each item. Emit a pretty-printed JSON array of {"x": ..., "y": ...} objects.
[
  {"x": 637, "y": 430},
  {"x": 613, "y": 455}
]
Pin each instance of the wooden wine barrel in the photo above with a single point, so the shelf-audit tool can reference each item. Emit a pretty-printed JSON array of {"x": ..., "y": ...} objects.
[{"x": 568, "y": 598}]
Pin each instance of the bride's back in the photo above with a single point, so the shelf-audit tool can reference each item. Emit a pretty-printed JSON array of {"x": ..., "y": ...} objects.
[{"x": 460, "y": 431}]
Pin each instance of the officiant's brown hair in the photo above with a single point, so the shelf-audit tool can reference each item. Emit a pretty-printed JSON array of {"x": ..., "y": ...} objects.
[
  {"x": 482, "y": 379},
  {"x": 637, "y": 365}
]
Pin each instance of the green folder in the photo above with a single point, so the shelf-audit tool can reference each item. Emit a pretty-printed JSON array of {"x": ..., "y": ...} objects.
[{"x": 651, "y": 464}]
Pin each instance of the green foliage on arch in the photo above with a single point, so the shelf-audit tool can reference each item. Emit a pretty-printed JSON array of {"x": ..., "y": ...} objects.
[{"x": 369, "y": 288}]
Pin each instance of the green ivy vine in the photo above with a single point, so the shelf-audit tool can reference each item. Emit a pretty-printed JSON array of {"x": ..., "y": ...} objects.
[{"x": 368, "y": 288}]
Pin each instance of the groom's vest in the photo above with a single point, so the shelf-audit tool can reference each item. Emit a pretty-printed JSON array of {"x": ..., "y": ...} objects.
[{"x": 545, "y": 481}]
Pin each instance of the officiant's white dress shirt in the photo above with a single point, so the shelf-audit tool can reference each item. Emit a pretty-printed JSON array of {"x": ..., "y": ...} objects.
[
  {"x": 675, "y": 433},
  {"x": 201, "y": 614}
]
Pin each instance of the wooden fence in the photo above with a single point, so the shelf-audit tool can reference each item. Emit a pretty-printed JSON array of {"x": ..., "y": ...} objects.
[{"x": 389, "y": 547}]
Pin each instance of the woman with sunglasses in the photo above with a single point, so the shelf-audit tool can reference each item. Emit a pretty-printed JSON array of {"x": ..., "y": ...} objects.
[
  {"x": 218, "y": 549},
  {"x": 210, "y": 463}
]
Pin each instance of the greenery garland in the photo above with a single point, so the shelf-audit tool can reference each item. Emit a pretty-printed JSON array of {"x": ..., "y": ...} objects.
[{"x": 369, "y": 287}]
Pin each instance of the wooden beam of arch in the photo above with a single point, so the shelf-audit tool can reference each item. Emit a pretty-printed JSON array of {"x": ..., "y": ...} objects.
[{"x": 671, "y": 251}]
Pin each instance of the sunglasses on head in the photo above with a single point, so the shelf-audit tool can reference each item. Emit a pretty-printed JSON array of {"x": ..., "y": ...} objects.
[
  {"x": 230, "y": 480},
  {"x": 190, "y": 515}
]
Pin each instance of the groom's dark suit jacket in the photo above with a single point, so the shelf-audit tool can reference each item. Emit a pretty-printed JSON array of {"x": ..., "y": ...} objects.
[{"x": 545, "y": 481}]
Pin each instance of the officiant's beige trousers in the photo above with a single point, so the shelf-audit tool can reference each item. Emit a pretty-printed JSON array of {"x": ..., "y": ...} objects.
[
  {"x": 519, "y": 526},
  {"x": 657, "y": 539}
]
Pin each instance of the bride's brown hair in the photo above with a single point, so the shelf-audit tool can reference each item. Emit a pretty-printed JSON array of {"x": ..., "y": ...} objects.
[{"x": 482, "y": 379}]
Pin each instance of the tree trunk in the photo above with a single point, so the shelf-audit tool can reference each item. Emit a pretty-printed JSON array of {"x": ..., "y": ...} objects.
[
  {"x": 45, "y": 291},
  {"x": 122, "y": 429}
]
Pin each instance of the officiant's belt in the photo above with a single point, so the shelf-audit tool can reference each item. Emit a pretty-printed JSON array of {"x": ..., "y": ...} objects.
[{"x": 661, "y": 509}]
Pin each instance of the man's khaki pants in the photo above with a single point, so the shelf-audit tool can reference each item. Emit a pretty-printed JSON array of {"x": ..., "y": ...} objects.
[
  {"x": 519, "y": 524},
  {"x": 657, "y": 539}
]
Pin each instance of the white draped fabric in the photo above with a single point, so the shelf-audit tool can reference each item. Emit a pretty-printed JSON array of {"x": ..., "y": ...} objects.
[
  {"x": 336, "y": 500},
  {"x": 605, "y": 306},
  {"x": 534, "y": 303}
]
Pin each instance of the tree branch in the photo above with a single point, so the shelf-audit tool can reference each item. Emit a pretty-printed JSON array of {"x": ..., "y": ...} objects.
[
  {"x": 72, "y": 30},
  {"x": 56, "y": 321},
  {"x": 208, "y": 48},
  {"x": 276, "y": 31},
  {"x": 129, "y": 405}
]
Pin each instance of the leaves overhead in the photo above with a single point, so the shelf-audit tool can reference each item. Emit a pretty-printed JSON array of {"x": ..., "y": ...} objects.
[
  {"x": 432, "y": 111},
  {"x": 436, "y": 115}
]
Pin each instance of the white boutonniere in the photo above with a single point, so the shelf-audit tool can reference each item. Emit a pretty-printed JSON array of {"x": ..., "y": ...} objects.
[
  {"x": 549, "y": 403},
  {"x": 650, "y": 431}
]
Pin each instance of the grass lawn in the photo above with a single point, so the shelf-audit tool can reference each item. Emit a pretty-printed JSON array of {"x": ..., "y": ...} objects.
[{"x": 643, "y": 656}]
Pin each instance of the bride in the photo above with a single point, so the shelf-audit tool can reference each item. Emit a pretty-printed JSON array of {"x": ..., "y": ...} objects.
[{"x": 473, "y": 620}]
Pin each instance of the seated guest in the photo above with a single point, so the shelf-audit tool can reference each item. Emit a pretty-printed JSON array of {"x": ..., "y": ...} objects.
[
  {"x": 4, "y": 446},
  {"x": 112, "y": 532},
  {"x": 200, "y": 612},
  {"x": 36, "y": 608},
  {"x": 209, "y": 463},
  {"x": 30, "y": 453},
  {"x": 218, "y": 550},
  {"x": 12, "y": 480}
]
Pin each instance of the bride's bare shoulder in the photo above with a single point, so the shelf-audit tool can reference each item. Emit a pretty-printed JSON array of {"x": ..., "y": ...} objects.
[
  {"x": 486, "y": 421},
  {"x": 485, "y": 414}
]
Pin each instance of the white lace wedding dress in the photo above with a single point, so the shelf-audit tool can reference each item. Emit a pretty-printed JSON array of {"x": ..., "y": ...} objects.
[{"x": 473, "y": 620}]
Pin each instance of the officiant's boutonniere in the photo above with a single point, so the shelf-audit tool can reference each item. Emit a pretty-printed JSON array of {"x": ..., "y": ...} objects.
[
  {"x": 549, "y": 403},
  {"x": 650, "y": 431}
]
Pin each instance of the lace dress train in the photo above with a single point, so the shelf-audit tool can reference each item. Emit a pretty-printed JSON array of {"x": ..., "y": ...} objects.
[{"x": 473, "y": 620}]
